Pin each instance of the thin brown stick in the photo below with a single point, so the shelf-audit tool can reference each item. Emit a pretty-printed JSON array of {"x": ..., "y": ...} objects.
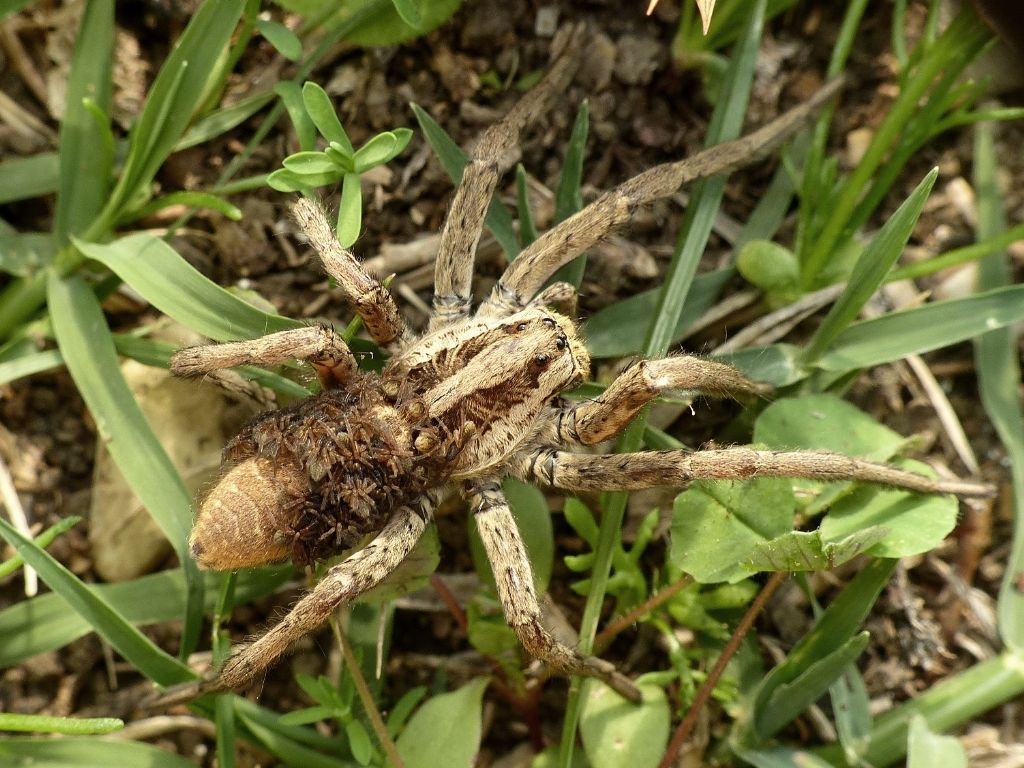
[
  {"x": 365, "y": 696},
  {"x": 686, "y": 726},
  {"x": 609, "y": 633}
]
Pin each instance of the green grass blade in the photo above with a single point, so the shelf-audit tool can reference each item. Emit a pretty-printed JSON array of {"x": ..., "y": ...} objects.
[
  {"x": 999, "y": 376},
  {"x": 134, "y": 646},
  {"x": 85, "y": 155},
  {"x": 568, "y": 193},
  {"x": 45, "y": 624},
  {"x": 173, "y": 98},
  {"x": 620, "y": 329},
  {"x": 88, "y": 350},
  {"x": 791, "y": 698},
  {"x": 871, "y": 268},
  {"x": 70, "y": 725},
  {"x": 726, "y": 123},
  {"x": 922, "y": 329},
  {"x": 27, "y": 365},
  {"x": 453, "y": 160},
  {"x": 27, "y": 177},
  {"x": 838, "y": 624},
  {"x": 291, "y": 752},
  {"x": 220, "y": 121},
  {"x": 527, "y": 229},
  {"x": 43, "y": 540},
  {"x": 176, "y": 288},
  {"x": 82, "y": 752}
]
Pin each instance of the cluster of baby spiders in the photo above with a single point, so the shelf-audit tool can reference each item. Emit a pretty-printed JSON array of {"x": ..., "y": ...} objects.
[{"x": 475, "y": 399}]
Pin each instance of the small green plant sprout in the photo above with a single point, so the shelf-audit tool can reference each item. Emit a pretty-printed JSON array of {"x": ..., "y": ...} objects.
[{"x": 338, "y": 162}]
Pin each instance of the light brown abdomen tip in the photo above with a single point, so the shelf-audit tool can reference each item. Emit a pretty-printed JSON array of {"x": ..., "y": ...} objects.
[{"x": 240, "y": 521}]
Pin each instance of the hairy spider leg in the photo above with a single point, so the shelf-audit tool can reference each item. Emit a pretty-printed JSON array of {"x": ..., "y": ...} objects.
[
  {"x": 514, "y": 578},
  {"x": 564, "y": 242},
  {"x": 325, "y": 350},
  {"x": 371, "y": 300},
  {"x": 453, "y": 272},
  {"x": 646, "y": 469},
  {"x": 594, "y": 421},
  {"x": 344, "y": 582}
]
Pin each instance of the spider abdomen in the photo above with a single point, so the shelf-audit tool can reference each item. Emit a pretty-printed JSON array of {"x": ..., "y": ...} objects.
[{"x": 310, "y": 481}]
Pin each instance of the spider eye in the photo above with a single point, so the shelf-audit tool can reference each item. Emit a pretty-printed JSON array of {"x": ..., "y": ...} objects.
[
  {"x": 560, "y": 342},
  {"x": 541, "y": 360},
  {"x": 549, "y": 321},
  {"x": 522, "y": 327}
]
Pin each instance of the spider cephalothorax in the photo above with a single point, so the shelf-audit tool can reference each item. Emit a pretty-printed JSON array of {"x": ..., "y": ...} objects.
[{"x": 474, "y": 400}]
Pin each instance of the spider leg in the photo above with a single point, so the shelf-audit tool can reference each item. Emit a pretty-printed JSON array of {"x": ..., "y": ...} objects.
[
  {"x": 608, "y": 414},
  {"x": 453, "y": 273},
  {"x": 371, "y": 300},
  {"x": 319, "y": 344},
  {"x": 561, "y": 244},
  {"x": 514, "y": 578},
  {"x": 561, "y": 296},
  {"x": 359, "y": 573},
  {"x": 646, "y": 469}
]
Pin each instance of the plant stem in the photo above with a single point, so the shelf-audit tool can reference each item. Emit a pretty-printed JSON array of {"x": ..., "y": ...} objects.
[
  {"x": 686, "y": 726},
  {"x": 366, "y": 697},
  {"x": 609, "y": 633}
]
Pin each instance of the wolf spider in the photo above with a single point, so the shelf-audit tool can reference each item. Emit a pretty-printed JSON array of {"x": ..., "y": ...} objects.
[{"x": 475, "y": 399}]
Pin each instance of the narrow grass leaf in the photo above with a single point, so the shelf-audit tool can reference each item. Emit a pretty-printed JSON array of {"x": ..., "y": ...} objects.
[
  {"x": 45, "y": 624},
  {"x": 851, "y": 707},
  {"x": 176, "y": 288},
  {"x": 84, "y": 752},
  {"x": 85, "y": 156},
  {"x": 10, "y": 721},
  {"x": 26, "y": 177},
  {"x": 222, "y": 120},
  {"x": 284, "y": 748},
  {"x": 446, "y": 729},
  {"x": 791, "y": 698},
  {"x": 999, "y": 375},
  {"x": 30, "y": 364},
  {"x": 836, "y": 627},
  {"x": 44, "y": 539},
  {"x": 138, "y": 649},
  {"x": 527, "y": 229},
  {"x": 914, "y": 331},
  {"x": 871, "y": 268},
  {"x": 568, "y": 193},
  {"x": 619, "y": 329},
  {"x": 85, "y": 342},
  {"x": 175, "y": 95},
  {"x": 195, "y": 200},
  {"x": 453, "y": 160}
]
